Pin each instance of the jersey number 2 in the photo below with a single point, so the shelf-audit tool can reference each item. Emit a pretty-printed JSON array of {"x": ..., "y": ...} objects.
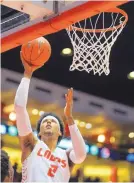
[{"x": 52, "y": 170}]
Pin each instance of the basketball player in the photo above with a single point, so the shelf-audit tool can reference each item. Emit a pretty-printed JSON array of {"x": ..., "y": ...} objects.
[
  {"x": 42, "y": 160},
  {"x": 7, "y": 171}
]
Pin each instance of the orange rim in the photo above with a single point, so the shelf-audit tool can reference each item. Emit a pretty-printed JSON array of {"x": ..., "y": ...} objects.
[{"x": 113, "y": 10}]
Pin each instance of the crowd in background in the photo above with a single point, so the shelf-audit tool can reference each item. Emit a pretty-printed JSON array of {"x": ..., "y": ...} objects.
[
  {"x": 77, "y": 178},
  {"x": 9, "y": 172}
]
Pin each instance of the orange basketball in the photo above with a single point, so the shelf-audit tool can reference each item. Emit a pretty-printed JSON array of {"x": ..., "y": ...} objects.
[{"x": 36, "y": 52}]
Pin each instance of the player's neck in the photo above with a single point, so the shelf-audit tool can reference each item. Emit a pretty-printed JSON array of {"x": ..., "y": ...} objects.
[{"x": 51, "y": 143}]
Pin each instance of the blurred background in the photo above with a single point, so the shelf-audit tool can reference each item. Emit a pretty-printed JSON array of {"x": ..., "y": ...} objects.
[{"x": 103, "y": 106}]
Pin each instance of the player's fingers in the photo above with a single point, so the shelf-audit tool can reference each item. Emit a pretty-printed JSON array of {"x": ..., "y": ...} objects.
[
  {"x": 39, "y": 66},
  {"x": 66, "y": 96},
  {"x": 70, "y": 93},
  {"x": 35, "y": 67},
  {"x": 69, "y": 96},
  {"x": 72, "y": 89},
  {"x": 22, "y": 58}
]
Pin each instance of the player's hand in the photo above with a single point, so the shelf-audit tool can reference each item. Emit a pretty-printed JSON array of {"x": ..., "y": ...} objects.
[
  {"x": 69, "y": 104},
  {"x": 29, "y": 69}
]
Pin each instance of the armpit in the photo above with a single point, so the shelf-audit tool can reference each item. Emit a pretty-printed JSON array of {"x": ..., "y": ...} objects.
[{"x": 28, "y": 142}]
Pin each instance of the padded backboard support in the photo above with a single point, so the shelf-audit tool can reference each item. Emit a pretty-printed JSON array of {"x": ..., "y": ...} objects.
[{"x": 62, "y": 15}]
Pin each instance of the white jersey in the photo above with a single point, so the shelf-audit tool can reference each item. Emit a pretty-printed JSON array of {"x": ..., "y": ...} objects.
[{"x": 42, "y": 165}]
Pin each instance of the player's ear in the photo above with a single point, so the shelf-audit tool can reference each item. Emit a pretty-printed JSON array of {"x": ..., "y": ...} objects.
[{"x": 60, "y": 134}]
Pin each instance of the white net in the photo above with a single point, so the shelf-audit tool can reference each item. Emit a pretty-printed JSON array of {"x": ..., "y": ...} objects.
[{"x": 92, "y": 40}]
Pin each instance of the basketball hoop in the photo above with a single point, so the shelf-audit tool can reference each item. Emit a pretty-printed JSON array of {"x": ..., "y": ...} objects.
[{"x": 93, "y": 38}]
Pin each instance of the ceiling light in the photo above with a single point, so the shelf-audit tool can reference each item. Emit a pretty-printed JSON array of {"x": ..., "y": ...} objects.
[
  {"x": 94, "y": 150},
  {"x": 130, "y": 157},
  {"x": 12, "y": 116},
  {"x": 35, "y": 111},
  {"x": 82, "y": 124},
  {"x": 131, "y": 135},
  {"x": 67, "y": 51},
  {"x": 76, "y": 121},
  {"x": 88, "y": 125},
  {"x": 101, "y": 138},
  {"x": 12, "y": 130},
  {"x": 131, "y": 75},
  {"x": 2, "y": 129},
  {"x": 105, "y": 152}
]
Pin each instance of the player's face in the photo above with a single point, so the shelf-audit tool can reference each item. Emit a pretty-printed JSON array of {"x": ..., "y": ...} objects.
[{"x": 49, "y": 127}]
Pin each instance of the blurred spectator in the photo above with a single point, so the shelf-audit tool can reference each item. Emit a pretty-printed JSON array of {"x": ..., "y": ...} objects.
[
  {"x": 7, "y": 172},
  {"x": 15, "y": 166},
  {"x": 97, "y": 179},
  {"x": 17, "y": 176},
  {"x": 71, "y": 164},
  {"x": 76, "y": 178},
  {"x": 2, "y": 143},
  {"x": 88, "y": 179}
]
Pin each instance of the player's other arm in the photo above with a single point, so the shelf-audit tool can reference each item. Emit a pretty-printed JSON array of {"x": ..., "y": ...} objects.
[
  {"x": 78, "y": 154},
  {"x": 26, "y": 137}
]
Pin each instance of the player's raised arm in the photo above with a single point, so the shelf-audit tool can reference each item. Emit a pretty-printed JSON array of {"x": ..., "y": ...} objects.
[
  {"x": 78, "y": 154},
  {"x": 27, "y": 139}
]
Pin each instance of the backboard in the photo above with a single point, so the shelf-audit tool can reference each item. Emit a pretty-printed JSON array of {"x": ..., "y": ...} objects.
[{"x": 23, "y": 21}]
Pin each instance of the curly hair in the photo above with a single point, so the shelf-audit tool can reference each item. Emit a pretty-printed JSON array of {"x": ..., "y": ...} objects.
[
  {"x": 4, "y": 165},
  {"x": 60, "y": 122}
]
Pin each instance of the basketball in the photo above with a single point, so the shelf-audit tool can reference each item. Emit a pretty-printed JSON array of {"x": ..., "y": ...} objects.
[{"x": 36, "y": 52}]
